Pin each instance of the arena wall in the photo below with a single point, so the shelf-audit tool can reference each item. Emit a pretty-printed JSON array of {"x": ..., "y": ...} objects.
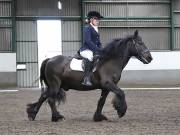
[{"x": 7, "y": 69}]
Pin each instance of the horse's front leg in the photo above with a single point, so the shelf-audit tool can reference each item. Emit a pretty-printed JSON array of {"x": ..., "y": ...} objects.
[
  {"x": 98, "y": 116},
  {"x": 119, "y": 101}
]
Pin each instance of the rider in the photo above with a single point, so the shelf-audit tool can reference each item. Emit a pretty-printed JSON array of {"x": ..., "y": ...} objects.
[{"x": 91, "y": 44}]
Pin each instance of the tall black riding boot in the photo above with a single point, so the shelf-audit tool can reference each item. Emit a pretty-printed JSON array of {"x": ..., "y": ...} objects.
[{"x": 88, "y": 72}]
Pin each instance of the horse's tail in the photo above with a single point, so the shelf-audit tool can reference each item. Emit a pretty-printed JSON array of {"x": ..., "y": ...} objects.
[
  {"x": 42, "y": 75},
  {"x": 60, "y": 96}
]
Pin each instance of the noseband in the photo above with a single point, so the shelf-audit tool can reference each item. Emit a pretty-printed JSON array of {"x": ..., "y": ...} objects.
[{"x": 140, "y": 54}]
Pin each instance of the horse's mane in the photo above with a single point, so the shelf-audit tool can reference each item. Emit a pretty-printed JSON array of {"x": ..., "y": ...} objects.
[{"x": 115, "y": 48}]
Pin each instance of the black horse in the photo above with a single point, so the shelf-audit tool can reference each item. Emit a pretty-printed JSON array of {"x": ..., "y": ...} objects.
[{"x": 58, "y": 77}]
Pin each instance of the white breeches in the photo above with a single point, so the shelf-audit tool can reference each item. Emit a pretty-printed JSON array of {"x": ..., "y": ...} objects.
[{"x": 87, "y": 54}]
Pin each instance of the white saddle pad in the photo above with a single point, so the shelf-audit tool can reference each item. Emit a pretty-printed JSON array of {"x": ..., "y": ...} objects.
[{"x": 77, "y": 65}]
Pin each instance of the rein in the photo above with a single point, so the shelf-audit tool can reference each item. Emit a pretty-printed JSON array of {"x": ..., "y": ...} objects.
[{"x": 140, "y": 55}]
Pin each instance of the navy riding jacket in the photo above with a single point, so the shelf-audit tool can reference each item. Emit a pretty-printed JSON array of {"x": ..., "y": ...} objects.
[{"x": 91, "y": 39}]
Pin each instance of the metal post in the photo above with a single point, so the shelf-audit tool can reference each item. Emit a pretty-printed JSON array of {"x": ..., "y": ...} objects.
[
  {"x": 13, "y": 14},
  {"x": 127, "y": 18},
  {"x": 172, "y": 31},
  {"x": 82, "y": 20}
]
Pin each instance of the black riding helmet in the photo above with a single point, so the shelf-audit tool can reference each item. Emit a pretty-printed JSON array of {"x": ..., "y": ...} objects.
[{"x": 94, "y": 14}]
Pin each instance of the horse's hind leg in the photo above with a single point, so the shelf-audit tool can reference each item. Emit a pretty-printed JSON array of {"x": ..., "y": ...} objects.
[
  {"x": 98, "y": 116},
  {"x": 56, "y": 116},
  {"x": 32, "y": 109},
  {"x": 55, "y": 94}
]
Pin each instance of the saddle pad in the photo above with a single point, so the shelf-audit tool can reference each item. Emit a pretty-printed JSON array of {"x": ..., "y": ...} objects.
[{"x": 77, "y": 65}]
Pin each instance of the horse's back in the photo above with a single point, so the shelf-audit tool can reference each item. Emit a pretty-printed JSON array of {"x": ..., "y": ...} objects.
[
  {"x": 57, "y": 63},
  {"x": 60, "y": 59}
]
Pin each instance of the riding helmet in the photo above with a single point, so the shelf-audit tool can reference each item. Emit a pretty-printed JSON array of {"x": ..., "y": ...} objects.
[{"x": 93, "y": 14}]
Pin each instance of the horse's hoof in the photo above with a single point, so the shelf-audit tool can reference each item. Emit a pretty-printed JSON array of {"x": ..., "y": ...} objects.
[
  {"x": 31, "y": 118},
  {"x": 31, "y": 112},
  {"x": 121, "y": 112},
  {"x": 56, "y": 118},
  {"x": 100, "y": 117}
]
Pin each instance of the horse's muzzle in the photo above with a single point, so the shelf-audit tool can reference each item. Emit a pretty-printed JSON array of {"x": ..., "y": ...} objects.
[{"x": 146, "y": 58}]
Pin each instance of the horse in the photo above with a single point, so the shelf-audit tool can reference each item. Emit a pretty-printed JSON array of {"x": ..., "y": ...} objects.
[{"x": 58, "y": 78}]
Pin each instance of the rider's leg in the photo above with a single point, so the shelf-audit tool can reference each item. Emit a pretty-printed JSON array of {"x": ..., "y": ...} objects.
[
  {"x": 88, "y": 72},
  {"x": 88, "y": 55}
]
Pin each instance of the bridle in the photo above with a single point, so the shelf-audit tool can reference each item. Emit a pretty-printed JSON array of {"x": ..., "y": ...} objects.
[{"x": 140, "y": 54}]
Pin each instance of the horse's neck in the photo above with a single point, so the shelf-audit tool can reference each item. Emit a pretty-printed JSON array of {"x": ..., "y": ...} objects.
[
  {"x": 123, "y": 58},
  {"x": 119, "y": 61},
  {"x": 115, "y": 65},
  {"x": 125, "y": 61}
]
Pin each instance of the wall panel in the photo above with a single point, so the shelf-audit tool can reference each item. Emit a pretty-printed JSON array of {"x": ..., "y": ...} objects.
[
  {"x": 27, "y": 53},
  {"x": 177, "y": 39},
  {"x": 177, "y": 19},
  {"x": 5, "y": 9},
  {"x": 177, "y": 5},
  {"x": 28, "y": 77},
  {"x": 71, "y": 37},
  {"x": 70, "y": 48},
  {"x": 148, "y": 10},
  {"x": 5, "y": 27},
  {"x": 107, "y": 9},
  {"x": 5, "y": 40},
  {"x": 151, "y": 17},
  {"x": 26, "y": 31},
  {"x": 155, "y": 39},
  {"x": 48, "y": 8}
]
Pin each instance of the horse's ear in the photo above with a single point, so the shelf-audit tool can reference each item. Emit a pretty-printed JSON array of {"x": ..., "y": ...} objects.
[{"x": 136, "y": 33}]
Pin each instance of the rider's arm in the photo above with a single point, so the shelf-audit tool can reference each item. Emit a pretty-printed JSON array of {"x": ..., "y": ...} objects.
[
  {"x": 88, "y": 40},
  {"x": 99, "y": 45}
]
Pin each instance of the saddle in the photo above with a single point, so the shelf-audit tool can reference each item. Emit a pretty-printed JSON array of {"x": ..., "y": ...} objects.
[
  {"x": 81, "y": 60},
  {"x": 78, "y": 63},
  {"x": 78, "y": 56}
]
